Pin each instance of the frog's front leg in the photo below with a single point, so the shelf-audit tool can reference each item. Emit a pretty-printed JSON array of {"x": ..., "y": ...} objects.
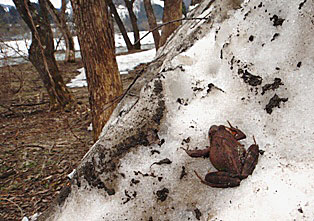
[
  {"x": 250, "y": 160},
  {"x": 220, "y": 179},
  {"x": 198, "y": 153},
  {"x": 237, "y": 133}
]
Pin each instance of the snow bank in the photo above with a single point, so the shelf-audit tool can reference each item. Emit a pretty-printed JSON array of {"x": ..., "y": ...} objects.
[{"x": 252, "y": 66}]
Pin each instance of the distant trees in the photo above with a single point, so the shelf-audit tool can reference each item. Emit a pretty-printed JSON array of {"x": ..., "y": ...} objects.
[
  {"x": 60, "y": 20},
  {"x": 172, "y": 11},
  {"x": 152, "y": 22},
  {"x": 133, "y": 19},
  {"x": 41, "y": 52},
  {"x": 120, "y": 24},
  {"x": 10, "y": 17},
  {"x": 129, "y": 6},
  {"x": 194, "y": 2},
  {"x": 95, "y": 33}
]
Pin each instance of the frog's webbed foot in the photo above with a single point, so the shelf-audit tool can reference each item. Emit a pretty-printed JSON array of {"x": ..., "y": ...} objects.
[
  {"x": 198, "y": 153},
  {"x": 250, "y": 161},
  {"x": 237, "y": 133},
  {"x": 220, "y": 179}
]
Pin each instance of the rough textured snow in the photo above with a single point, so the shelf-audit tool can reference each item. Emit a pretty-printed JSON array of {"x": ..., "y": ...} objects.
[{"x": 224, "y": 76}]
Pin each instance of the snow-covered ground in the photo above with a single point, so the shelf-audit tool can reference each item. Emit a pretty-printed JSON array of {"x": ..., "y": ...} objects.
[{"x": 125, "y": 63}]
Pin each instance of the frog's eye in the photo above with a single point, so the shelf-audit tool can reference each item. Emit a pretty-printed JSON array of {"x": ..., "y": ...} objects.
[
  {"x": 212, "y": 130},
  {"x": 233, "y": 132}
]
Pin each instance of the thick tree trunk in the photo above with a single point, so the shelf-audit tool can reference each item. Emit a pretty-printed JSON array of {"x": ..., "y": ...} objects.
[
  {"x": 152, "y": 22},
  {"x": 172, "y": 11},
  {"x": 60, "y": 19},
  {"x": 129, "y": 5},
  {"x": 119, "y": 22},
  {"x": 98, "y": 52},
  {"x": 41, "y": 52}
]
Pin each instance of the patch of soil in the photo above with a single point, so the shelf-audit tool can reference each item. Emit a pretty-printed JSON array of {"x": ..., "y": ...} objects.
[
  {"x": 39, "y": 148},
  {"x": 253, "y": 80},
  {"x": 274, "y": 102},
  {"x": 276, "y": 84}
]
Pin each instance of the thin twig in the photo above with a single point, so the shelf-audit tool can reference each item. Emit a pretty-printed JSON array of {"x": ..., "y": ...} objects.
[
  {"x": 77, "y": 137},
  {"x": 58, "y": 42},
  {"x": 18, "y": 51},
  {"x": 14, "y": 203},
  {"x": 9, "y": 109},
  {"x": 33, "y": 145},
  {"x": 29, "y": 105},
  {"x": 119, "y": 98},
  {"x": 170, "y": 22}
]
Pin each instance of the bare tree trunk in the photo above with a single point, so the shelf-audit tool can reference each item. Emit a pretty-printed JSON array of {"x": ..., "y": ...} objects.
[
  {"x": 129, "y": 5},
  {"x": 119, "y": 22},
  {"x": 41, "y": 52},
  {"x": 98, "y": 52},
  {"x": 60, "y": 20},
  {"x": 70, "y": 48},
  {"x": 172, "y": 11},
  {"x": 152, "y": 22},
  {"x": 194, "y": 2}
]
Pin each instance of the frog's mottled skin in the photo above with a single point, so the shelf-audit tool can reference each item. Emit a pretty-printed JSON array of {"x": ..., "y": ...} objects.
[{"x": 228, "y": 156}]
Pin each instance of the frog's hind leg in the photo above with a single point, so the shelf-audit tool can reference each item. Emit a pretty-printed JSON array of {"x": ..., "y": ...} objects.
[
  {"x": 250, "y": 160},
  {"x": 220, "y": 179}
]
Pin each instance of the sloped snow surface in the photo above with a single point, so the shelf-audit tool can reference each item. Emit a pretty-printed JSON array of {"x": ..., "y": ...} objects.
[{"x": 252, "y": 66}]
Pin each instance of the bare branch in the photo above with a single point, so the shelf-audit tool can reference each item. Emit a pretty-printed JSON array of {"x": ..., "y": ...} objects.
[
  {"x": 14, "y": 203},
  {"x": 170, "y": 22},
  {"x": 17, "y": 51}
]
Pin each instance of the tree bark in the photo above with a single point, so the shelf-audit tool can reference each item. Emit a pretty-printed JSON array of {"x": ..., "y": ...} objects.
[
  {"x": 41, "y": 52},
  {"x": 70, "y": 48},
  {"x": 194, "y": 2},
  {"x": 60, "y": 20},
  {"x": 129, "y": 6},
  {"x": 172, "y": 11},
  {"x": 152, "y": 22},
  {"x": 98, "y": 53},
  {"x": 119, "y": 22}
]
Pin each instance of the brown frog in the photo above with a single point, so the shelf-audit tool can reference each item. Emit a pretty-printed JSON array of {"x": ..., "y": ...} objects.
[{"x": 228, "y": 156}]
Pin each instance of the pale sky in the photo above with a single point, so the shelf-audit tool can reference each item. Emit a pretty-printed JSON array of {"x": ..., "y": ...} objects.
[{"x": 56, "y": 3}]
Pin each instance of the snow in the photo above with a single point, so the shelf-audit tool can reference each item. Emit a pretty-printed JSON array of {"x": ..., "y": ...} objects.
[
  {"x": 158, "y": 2},
  {"x": 32, "y": 218},
  {"x": 7, "y": 2},
  {"x": 282, "y": 184},
  {"x": 79, "y": 80},
  {"x": 125, "y": 64},
  {"x": 122, "y": 11},
  {"x": 10, "y": 51},
  {"x": 7, "y": 49}
]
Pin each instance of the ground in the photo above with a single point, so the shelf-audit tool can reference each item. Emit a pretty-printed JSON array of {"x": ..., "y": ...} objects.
[{"x": 39, "y": 148}]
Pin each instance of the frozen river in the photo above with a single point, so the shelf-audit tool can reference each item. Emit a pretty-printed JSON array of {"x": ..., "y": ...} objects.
[{"x": 15, "y": 52}]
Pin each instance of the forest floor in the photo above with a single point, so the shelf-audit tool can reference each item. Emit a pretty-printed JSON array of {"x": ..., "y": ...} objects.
[{"x": 38, "y": 147}]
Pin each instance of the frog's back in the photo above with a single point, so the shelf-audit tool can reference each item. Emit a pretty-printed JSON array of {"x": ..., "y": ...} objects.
[{"x": 225, "y": 152}]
